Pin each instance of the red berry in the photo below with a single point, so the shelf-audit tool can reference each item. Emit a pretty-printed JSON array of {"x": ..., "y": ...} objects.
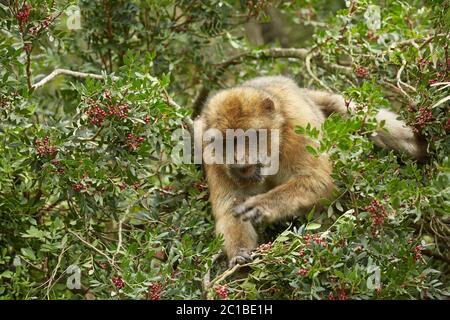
[
  {"x": 342, "y": 295},
  {"x": 43, "y": 147},
  {"x": 447, "y": 125},
  {"x": 160, "y": 255},
  {"x": 361, "y": 72},
  {"x": 118, "y": 282},
  {"x": 425, "y": 116},
  {"x": 154, "y": 291},
  {"x": 377, "y": 212},
  {"x": 221, "y": 291},
  {"x": 78, "y": 187},
  {"x": 303, "y": 272}
]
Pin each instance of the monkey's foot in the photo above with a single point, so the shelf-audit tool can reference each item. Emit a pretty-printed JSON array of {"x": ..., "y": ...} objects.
[{"x": 243, "y": 256}]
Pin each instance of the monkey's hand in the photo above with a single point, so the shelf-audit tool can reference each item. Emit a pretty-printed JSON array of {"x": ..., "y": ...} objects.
[
  {"x": 254, "y": 209},
  {"x": 243, "y": 256}
]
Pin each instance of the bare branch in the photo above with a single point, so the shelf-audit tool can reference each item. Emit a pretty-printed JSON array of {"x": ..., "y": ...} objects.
[
  {"x": 76, "y": 74},
  {"x": 313, "y": 76},
  {"x": 400, "y": 82},
  {"x": 275, "y": 53},
  {"x": 108, "y": 258}
]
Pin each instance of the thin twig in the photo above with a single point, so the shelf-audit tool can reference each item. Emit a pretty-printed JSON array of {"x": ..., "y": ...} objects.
[
  {"x": 207, "y": 277},
  {"x": 111, "y": 261},
  {"x": 400, "y": 82},
  {"x": 275, "y": 53},
  {"x": 315, "y": 78},
  {"x": 76, "y": 74},
  {"x": 50, "y": 281}
]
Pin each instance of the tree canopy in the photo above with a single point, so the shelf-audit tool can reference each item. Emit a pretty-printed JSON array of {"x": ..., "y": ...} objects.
[{"x": 93, "y": 207}]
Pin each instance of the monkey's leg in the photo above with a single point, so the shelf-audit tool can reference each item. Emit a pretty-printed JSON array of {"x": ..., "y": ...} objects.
[
  {"x": 240, "y": 238},
  {"x": 298, "y": 194}
]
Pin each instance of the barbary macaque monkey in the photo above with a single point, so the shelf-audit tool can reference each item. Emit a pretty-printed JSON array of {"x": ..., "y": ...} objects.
[{"x": 240, "y": 194}]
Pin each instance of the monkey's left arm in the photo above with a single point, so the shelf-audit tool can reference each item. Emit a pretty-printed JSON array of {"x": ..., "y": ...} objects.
[{"x": 300, "y": 192}]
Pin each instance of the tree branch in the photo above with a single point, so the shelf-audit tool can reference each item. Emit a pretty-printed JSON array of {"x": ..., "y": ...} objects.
[
  {"x": 78, "y": 74},
  {"x": 275, "y": 53}
]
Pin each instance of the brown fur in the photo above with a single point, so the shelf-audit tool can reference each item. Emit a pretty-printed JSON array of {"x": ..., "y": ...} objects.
[{"x": 302, "y": 180}]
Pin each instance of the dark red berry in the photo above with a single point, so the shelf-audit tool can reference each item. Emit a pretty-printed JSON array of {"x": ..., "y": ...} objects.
[
  {"x": 361, "y": 72},
  {"x": 154, "y": 291},
  {"x": 43, "y": 147},
  {"x": 221, "y": 291},
  {"x": 118, "y": 282}
]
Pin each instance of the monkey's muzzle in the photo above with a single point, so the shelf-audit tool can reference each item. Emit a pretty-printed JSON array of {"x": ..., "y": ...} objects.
[{"x": 246, "y": 171}]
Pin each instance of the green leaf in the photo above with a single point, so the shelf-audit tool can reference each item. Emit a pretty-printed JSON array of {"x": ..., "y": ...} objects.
[
  {"x": 313, "y": 226},
  {"x": 28, "y": 253}
]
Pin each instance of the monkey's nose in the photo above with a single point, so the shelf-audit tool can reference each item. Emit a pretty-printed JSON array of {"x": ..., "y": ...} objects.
[{"x": 245, "y": 170}]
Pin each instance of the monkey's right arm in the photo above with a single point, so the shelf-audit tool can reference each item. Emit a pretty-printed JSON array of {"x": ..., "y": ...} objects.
[{"x": 240, "y": 237}]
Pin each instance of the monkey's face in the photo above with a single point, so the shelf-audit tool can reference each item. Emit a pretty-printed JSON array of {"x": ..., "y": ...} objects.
[{"x": 246, "y": 119}]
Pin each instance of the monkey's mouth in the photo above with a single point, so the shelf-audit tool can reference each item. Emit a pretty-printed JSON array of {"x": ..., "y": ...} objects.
[{"x": 246, "y": 172}]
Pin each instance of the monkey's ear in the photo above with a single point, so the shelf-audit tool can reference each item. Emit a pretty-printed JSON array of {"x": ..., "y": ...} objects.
[{"x": 268, "y": 104}]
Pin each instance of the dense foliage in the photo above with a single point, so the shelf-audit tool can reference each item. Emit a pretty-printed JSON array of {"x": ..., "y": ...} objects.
[{"x": 88, "y": 189}]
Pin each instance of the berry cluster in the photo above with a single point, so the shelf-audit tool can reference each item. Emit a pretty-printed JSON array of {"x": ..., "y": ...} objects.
[
  {"x": 23, "y": 15},
  {"x": 303, "y": 272},
  {"x": 118, "y": 282},
  {"x": 221, "y": 291},
  {"x": 123, "y": 186},
  {"x": 42, "y": 26},
  {"x": 154, "y": 291},
  {"x": 424, "y": 117},
  {"x": 160, "y": 255},
  {"x": 43, "y": 147},
  {"x": 447, "y": 125},
  {"x": 99, "y": 111},
  {"x": 361, "y": 72},
  {"x": 341, "y": 294},
  {"x": 133, "y": 142},
  {"x": 120, "y": 111},
  {"x": 315, "y": 238},
  {"x": 78, "y": 187},
  {"x": 168, "y": 188},
  {"x": 96, "y": 115},
  {"x": 423, "y": 63},
  {"x": 265, "y": 247},
  {"x": 377, "y": 212},
  {"x": 58, "y": 165},
  {"x": 136, "y": 185},
  {"x": 417, "y": 250}
]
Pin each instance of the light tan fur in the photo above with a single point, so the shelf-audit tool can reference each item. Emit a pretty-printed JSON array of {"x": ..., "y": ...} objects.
[{"x": 302, "y": 180}]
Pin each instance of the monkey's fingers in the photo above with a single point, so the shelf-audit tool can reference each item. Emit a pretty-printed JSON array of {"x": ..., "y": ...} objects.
[
  {"x": 241, "y": 209},
  {"x": 246, "y": 213},
  {"x": 242, "y": 257}
]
